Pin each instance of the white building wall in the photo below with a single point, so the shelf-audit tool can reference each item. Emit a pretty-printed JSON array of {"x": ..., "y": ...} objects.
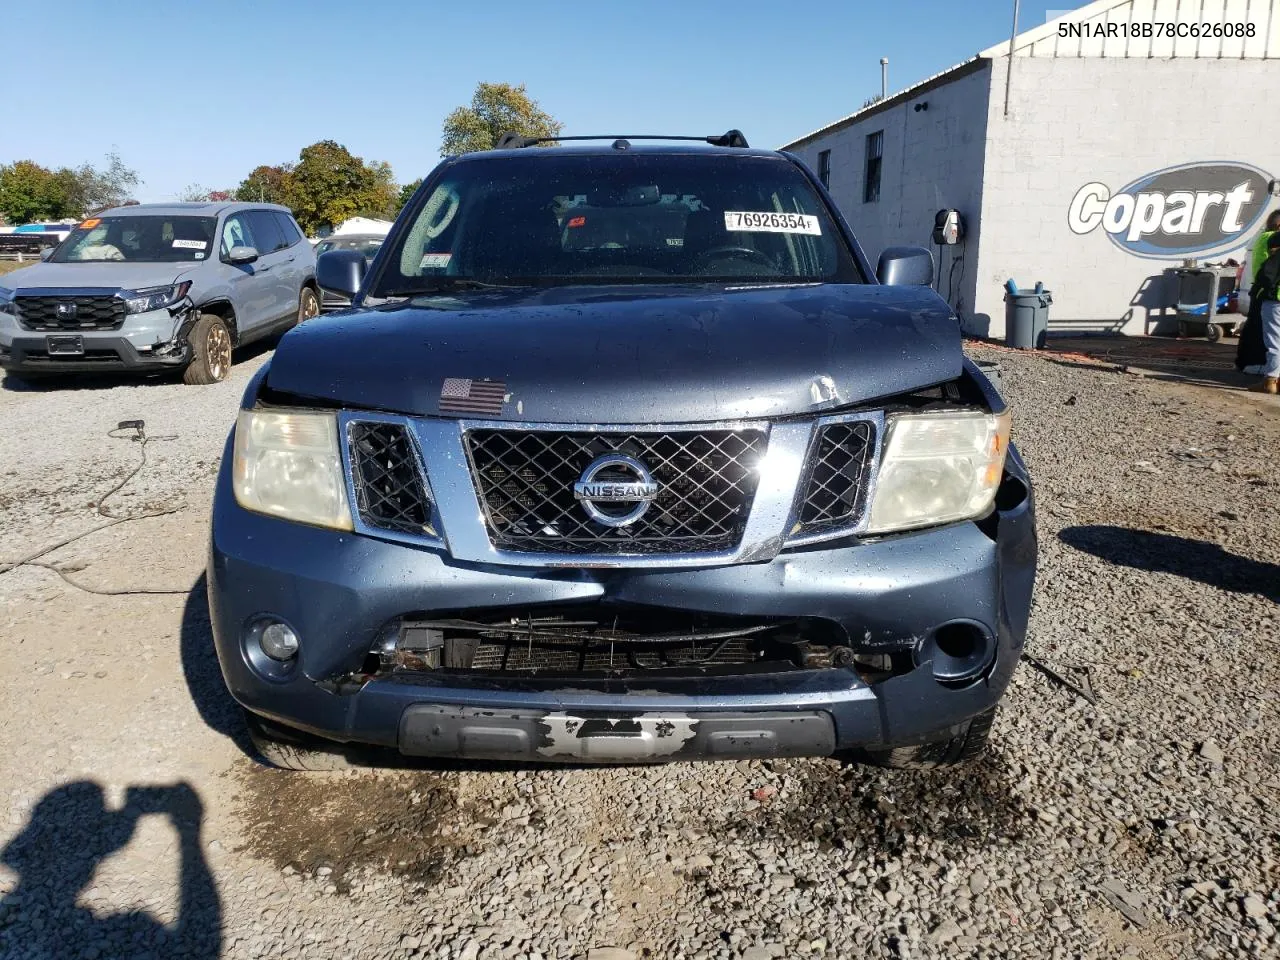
[
  {"x": 1072, "y": 121},
  {"x": 932, "y": 159}
]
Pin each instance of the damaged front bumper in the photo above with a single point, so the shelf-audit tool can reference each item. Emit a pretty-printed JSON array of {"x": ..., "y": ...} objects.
[
  {"x": 885, "y": 599},
  {"x": 146, "y": 341}
]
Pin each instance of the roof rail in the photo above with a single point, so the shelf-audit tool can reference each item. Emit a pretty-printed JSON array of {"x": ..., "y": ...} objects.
[{"x": 515, "y": 141}]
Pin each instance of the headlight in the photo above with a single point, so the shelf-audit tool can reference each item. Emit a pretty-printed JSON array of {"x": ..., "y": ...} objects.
[
  {"x": 155, "y": 298},
  {"x": 6, "y": 301},
  {"x": 287, "y": 465},
  {"x": 937, "y": 468}
]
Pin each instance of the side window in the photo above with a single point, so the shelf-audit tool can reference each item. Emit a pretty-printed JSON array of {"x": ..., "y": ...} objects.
[
  {"x": 236, "y": 233},
  {"x": 266, "y": 231},
  {"x": 875, "y": 153},
  {"x": 824, "y": 168},
  {"x": 288, "y": 229}
]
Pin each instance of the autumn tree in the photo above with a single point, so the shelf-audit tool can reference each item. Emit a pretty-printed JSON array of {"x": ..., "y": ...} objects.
[
  {"x": 329, "y": 185},
  {"x": 496, "y": 108},
  {"x": 267, "y": 184}
]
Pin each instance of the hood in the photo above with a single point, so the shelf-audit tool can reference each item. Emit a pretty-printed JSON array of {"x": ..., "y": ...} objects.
[
  {"x": 100, "y": 274},
  {"x": 628, "y": 355}
]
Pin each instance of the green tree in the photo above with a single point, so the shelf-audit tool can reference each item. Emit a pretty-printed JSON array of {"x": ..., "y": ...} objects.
[
  {"x": 267, "y": 184},
  {"x": 328, "y": 185},
  {"x": 406, "y": 194},
  {"x": 496, "y": 108},
  {"x": 30, "y": 192}
]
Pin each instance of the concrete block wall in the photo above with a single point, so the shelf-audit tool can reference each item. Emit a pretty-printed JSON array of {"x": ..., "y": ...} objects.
[
  {"x": 1072, "y": 121},
  {"x": 931, "y": 159}
]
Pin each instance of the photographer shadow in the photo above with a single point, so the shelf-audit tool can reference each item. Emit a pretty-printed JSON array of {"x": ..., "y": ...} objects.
[{"x": 70, "y": 832}]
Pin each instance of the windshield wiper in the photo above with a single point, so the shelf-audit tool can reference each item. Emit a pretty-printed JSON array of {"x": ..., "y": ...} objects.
[{"x": 446, "y": 285}]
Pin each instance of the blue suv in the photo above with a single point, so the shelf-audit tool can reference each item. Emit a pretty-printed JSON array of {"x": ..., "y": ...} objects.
[{"x": 623, "y": 453}]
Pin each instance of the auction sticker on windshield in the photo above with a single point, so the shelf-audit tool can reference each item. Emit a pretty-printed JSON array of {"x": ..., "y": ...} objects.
[
  {"x": 745, "y": 220},
  {"x": 189, "y": 244}
]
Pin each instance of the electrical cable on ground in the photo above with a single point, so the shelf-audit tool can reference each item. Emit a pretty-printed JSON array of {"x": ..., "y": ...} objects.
[{"x": 140, "y": 437}]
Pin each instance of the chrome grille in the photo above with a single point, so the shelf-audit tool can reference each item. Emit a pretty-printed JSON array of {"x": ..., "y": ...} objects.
[
  {"x": 835, "y": 489},
  {"x": 524, "y": 478},
  {"x": 387, "y": 478},
  {"x": 91, "y": 313}
]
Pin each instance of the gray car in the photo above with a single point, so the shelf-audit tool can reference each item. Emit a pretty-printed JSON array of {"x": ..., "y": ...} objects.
[{"x": 159, "y": 286}]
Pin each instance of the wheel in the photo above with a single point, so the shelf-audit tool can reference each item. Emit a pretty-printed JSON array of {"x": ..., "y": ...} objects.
[
  {"x": 211, "y": 351},
  {"x": 1212, "y": 332},
  {"x": 308, "y": 304},
  {"x": 293, "y": 749},
  {"x": 1183, "y": 329},
  {"x": 968, "y": 741}
]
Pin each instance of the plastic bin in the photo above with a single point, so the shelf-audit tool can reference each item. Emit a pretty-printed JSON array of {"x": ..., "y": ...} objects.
[{"x": 1026, "y": 318}]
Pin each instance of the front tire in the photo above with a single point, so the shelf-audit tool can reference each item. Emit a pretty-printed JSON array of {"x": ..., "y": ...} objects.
[
  {"x": 292, "y": 749},
  {"x": 967, "y": 743},
  {"x": 308, "y": 305},
  {"x": 210, "y": 341}
]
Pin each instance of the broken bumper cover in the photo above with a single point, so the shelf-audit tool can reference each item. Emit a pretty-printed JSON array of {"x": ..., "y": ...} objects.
[
  {"x": 146, "y": 341},
  {"x": 338, "y": 589}
]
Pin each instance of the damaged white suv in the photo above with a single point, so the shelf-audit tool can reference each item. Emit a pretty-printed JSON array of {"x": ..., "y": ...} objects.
[{"x": 149, "y": 287}]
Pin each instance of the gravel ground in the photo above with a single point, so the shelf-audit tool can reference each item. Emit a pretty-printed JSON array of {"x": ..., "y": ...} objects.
[{"x": 134, "y": 823}]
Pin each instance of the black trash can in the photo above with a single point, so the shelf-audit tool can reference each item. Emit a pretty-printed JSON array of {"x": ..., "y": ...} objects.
[{"x": 1026, "y": 318}]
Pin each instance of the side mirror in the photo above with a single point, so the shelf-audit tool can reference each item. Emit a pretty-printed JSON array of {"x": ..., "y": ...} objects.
[
  {"x": 47, "y": 252},
  {"x": 238, "y": 256},
  {"x": 905, "y": 267},
  {"x": 341, "y": 271}
]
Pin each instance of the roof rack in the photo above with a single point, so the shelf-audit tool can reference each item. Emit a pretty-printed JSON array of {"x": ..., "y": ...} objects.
[{"x": 514, "y": 141}]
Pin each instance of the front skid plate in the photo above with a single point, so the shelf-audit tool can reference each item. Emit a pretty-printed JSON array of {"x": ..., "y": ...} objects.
[{"x": 432, "y": 730}]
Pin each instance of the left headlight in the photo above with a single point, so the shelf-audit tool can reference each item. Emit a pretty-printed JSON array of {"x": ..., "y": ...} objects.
[
  {"x": 155, "y": 298},
  {"x": 288, "y": 465},
  {"x": 938, "y": 468}
]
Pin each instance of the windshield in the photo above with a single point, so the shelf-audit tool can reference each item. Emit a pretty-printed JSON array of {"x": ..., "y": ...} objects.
[
  {"x": 138, "y": 239},
  {"x": 630, "y": 218},
  {"x": 366, "y": 246}
]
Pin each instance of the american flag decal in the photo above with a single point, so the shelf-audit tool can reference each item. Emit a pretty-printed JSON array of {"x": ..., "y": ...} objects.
[{"x": 461, "y": 395}]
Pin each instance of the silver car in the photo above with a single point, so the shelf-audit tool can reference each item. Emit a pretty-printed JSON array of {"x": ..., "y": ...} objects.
[{"x": 153, "y": 286}]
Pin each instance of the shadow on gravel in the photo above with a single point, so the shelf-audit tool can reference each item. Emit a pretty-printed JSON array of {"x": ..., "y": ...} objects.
[
  {"x": 203, "y": 675},
  {"x": 1165, "y": 553},
  {"x": 70, "y": 832},
  {"x": 957, "y": 810}
]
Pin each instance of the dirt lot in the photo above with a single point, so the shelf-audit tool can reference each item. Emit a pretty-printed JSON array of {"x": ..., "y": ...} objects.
[{"x": 133, "y": 821}]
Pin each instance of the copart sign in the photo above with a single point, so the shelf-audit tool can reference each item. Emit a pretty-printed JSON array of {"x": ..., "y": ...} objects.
[{"x": 1196, "y": 208}]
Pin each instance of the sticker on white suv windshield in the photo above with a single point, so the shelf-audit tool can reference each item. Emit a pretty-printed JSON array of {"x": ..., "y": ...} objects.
[
  {"x": 435, "y": 260},
  {"x": 745, "y": 220},
  {"x": 189, "y": 244}
]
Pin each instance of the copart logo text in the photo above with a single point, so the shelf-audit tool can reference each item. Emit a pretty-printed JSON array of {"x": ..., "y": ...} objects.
[{"x": 1191, "y": 209}]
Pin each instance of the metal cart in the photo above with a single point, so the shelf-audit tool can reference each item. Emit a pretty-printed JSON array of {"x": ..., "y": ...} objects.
[{"x": 1203, "y": 293}]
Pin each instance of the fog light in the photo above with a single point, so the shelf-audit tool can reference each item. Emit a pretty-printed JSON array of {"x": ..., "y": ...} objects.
[{"x": 278, "y": 641}]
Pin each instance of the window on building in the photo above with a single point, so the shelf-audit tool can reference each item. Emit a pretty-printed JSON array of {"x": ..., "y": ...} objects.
[
  {"x": 824, "y": 167},
  {"x": 875, "y": 152}
]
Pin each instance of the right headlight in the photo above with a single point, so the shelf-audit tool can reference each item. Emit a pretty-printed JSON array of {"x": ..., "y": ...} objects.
[
  {"x": 6, "y": 300},
  {"x": 287, "y": 464},
  {"x": 937, "y": 468}
]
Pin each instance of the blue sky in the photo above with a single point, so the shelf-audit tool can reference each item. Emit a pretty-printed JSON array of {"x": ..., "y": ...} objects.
[{"x": 203, "y": 92}]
